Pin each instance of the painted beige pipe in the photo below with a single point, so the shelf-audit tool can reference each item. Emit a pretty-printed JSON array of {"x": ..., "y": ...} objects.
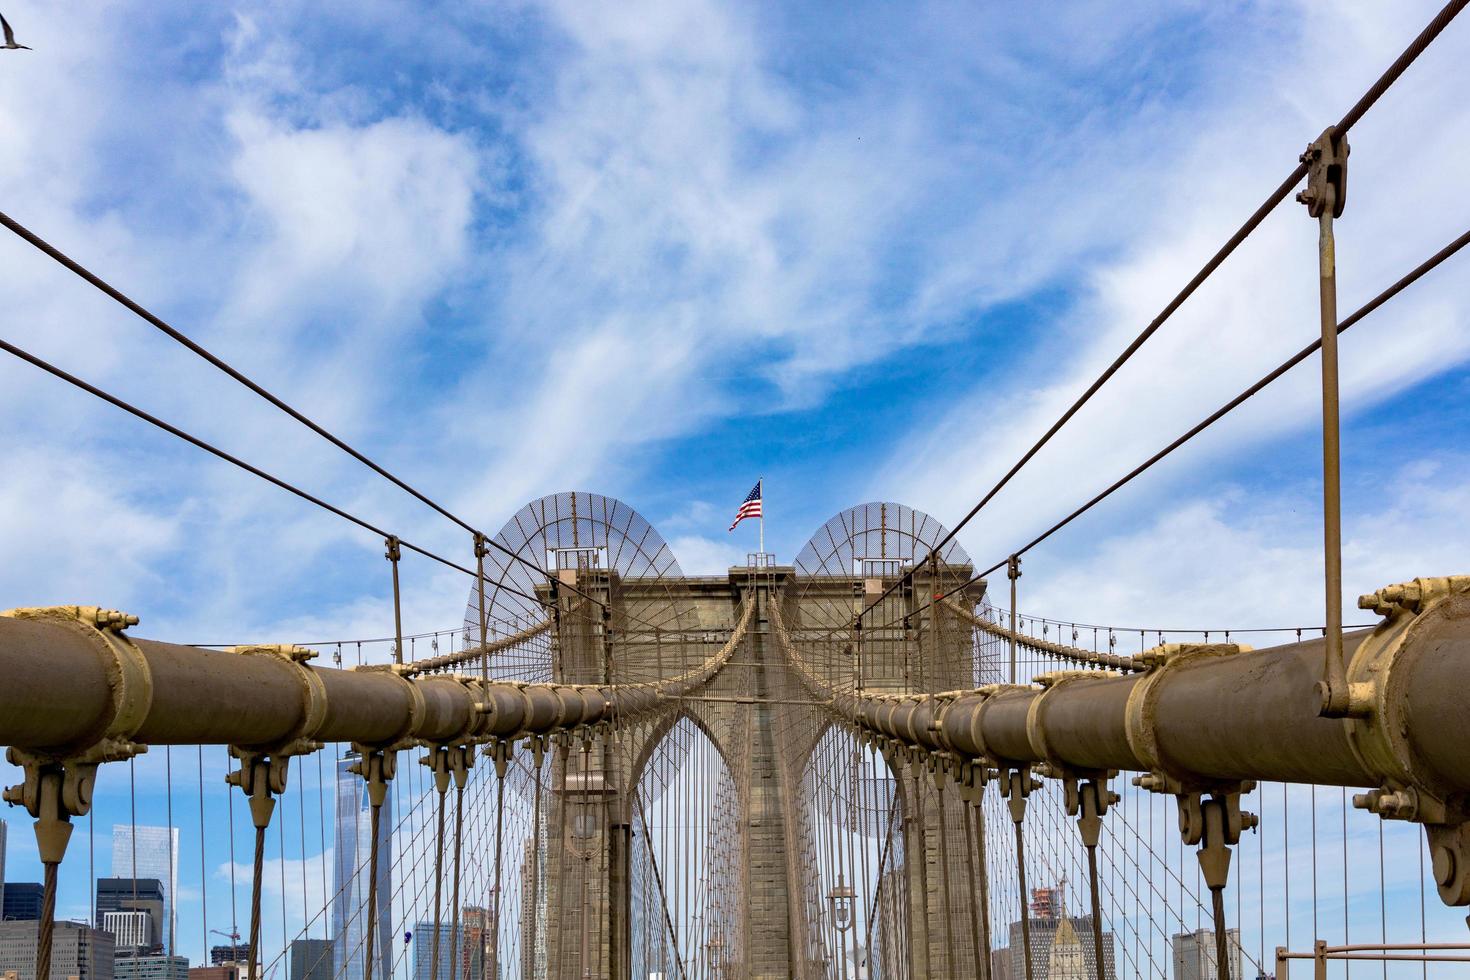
[
  {"x": 1217, "y": 713},
  {"x": 74, "y": 678}
]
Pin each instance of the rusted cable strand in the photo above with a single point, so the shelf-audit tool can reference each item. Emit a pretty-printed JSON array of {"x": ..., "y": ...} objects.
[
  {"x": 1391, "y": 75},
  {"x": 193, "y": 440},
  {"x": 1413, "y": 276},
  {"x": 1077, "y": 655}
]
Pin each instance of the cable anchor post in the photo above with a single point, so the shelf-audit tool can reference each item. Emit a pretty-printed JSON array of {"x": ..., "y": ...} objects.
[
  {"x": 482, "y": 549},
  {"x": 393, "y": 553},
  {"x": 1324, "y": 197},
  {"x": 1215, "y": 825},
  {"x": 1016, "y": 785},
  {"x": 1013, "y": 572},
  {"x": 1088, "y": 801},
  {"x": 971, "y": 780}
]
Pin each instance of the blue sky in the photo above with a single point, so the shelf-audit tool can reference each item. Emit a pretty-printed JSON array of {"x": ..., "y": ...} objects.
[{"x": 657, "y": 250}]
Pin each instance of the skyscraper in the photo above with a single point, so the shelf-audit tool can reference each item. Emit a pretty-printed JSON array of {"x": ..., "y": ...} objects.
[
  {"x": 138, "y": 895},
  {"x": 150, "y": 852},
  {"x": 77, "y": 950},
  {"x": 423, "y": 951},
  {"x": 1194, "y": 954},
  {"x": 22, "y": 901},
  {"x": 474, "y": 943},
  {"x": 350, "y": 878},
  {"x": 311, "y": 959}
]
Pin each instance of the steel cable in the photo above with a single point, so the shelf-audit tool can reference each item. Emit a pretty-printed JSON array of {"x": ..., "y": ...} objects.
[
  {"x": 1358, "y": 315},
  {"x": 1353, "y": 115}
]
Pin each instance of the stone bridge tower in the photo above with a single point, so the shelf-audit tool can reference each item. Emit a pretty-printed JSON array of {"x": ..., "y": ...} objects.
[{"x": 816, "y": 823}]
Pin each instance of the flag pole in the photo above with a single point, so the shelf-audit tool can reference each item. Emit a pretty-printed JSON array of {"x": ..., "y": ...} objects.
[{"x": 762, "y": 483}]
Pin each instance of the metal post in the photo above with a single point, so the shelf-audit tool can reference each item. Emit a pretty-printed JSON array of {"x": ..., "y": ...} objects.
[
  {"x": 1013, "y": 572},
  {"x": 480, "y": 552},
  {"x": 393, "y": 554},
  {"x": 1324, "y": 197}
]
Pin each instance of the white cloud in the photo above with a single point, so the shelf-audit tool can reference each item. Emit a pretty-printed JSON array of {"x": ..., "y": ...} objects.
[
  {"x": 1256, "y": 310},
  {"x": 700, "y": 555},
  {"x": 1247, "y": 560},
  {"x": 80, "y": 528}
]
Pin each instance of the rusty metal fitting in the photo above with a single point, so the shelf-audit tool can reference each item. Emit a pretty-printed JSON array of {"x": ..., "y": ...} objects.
[
  {"x": 313, "y": 699},
  {"x": 404, "y": 738},
  {"x": 1414, "y": 596},
  {"x": 1390, "y": 803},
  {"x": 1088, "y": 801},
  {"x": 263, "y": 768},
  {"x": 129, "y": 679},
  {"x": 1326, "y": 159},
  {"x": 377, "y": 767},
  {"x": 1215, "y": 824},
  {"x": 448, "y": 762},
  {"x": 1389, "y": 702},
  {"x": 499, "y": 750},
  {"x": 58, "y": 781},
  {"x": 1162, "y": 663},
  {"x": 261, "y": 778},
  {"x": 1016, "y": 785}
]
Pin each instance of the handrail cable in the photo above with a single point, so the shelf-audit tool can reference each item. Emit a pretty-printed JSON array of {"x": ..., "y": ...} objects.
[{"x": 1353, "y": 115}]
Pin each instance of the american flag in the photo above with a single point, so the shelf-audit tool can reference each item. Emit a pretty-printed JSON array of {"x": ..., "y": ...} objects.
[{"x": 750, "y": 506}]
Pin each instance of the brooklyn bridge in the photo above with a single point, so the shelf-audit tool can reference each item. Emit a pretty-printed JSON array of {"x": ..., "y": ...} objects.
[{"x": 872, "y": 758}]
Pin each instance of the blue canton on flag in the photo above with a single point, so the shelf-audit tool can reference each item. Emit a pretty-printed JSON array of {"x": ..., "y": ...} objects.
[{"x": 750, "y": 506}]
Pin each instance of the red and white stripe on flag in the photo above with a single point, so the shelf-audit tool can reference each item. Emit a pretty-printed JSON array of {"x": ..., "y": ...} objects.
[{"x": 750, "y": 506}]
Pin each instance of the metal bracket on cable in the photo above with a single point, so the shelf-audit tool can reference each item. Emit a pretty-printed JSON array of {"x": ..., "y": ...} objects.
[
  {"x": 58, "y": 783},
  {"x": 263, "y": 768},
  {"x": 1215, "y": 825},
  {"x": 1016, "y": 785},
  {"x": 1088, "y": 800},
  {"x": 1378, "y": 706}
]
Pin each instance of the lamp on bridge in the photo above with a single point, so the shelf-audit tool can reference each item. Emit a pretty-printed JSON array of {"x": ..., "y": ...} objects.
[{"x": 839, "y": 899}]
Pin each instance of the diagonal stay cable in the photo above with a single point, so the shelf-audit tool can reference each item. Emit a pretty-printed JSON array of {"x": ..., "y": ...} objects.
[
  {"x": 174, "y": 430},
  {"x": 1353, "y": 115},
  {"x": 183, "y": 339},
  {"x": 1373, "y": 304}
]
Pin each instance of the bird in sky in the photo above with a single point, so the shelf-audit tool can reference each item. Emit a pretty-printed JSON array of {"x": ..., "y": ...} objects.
[{"x": 10, "y": 36}]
